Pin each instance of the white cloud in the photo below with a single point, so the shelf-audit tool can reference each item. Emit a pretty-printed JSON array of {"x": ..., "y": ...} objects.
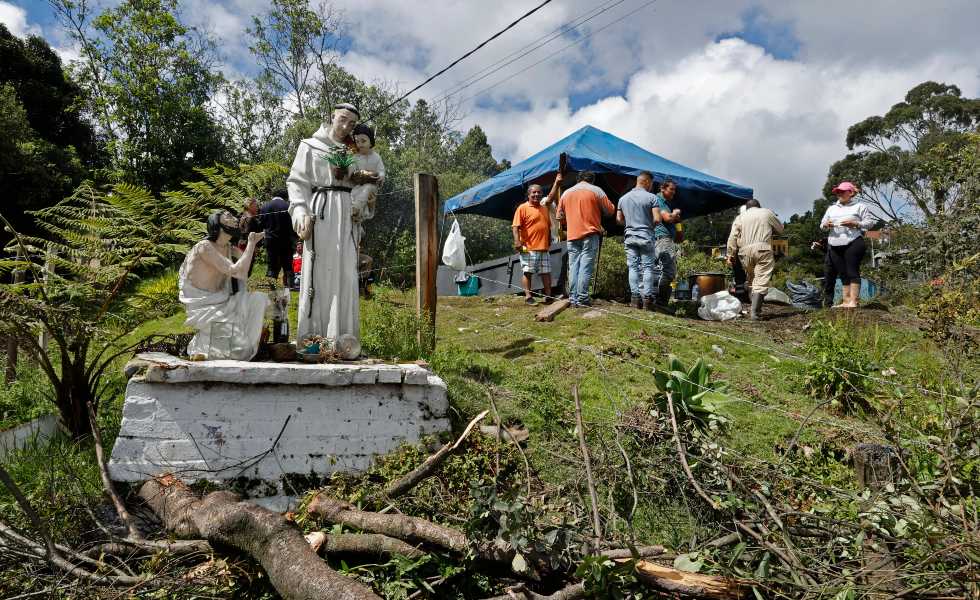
[
  {"x": 736, "y": 112},
  {"x": 15, "y": 18}
]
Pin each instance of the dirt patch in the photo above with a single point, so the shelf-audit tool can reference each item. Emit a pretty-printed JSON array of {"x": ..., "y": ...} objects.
[{"x": 788, "y": 325}]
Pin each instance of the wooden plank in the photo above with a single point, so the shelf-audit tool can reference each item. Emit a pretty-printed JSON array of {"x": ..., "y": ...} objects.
[
  {"x": 426, "y": 252},
  {"x": 548, "y": 313}
]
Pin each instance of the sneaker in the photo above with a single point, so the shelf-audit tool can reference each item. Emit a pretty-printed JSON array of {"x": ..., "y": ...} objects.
[
  {"x": 635, "y": 301},
  {"x": 529, "y": 301},
  {"x": 585, "y": 304}
]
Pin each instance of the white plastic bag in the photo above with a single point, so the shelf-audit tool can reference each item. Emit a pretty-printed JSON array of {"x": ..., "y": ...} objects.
[
  {"x": 719, "y": 306},
  {"x": 454, "y": 252}
]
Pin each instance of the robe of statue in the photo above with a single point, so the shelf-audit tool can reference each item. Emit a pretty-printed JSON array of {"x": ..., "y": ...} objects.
[
  {"x": 328, "y": 300},
  {"x": 229, "y": 326}
]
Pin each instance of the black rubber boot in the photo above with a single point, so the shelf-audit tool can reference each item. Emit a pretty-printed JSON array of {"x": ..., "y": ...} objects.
[
  {"x": 663, "y": 295},
  {"x": 755, "y": 311}
]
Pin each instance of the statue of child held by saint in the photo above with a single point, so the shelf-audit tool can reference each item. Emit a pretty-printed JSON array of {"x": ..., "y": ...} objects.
[{"x": 367, "y": 178}]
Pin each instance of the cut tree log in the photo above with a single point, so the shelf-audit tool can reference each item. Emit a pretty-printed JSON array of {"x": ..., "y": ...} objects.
[
  {"x": 549, "y": 312},
  {"x": 373, "y": 544},
  {"x": 294, "y": 569},
  {"x": 413, "y": 530},
  {"x": 693, "y": 584}
]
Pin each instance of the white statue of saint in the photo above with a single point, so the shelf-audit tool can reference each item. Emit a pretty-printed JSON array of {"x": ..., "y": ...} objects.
[
  {"x": 368, "y": 177},
  {"x": 213, "y": 288},
  {"x": 321, "y": 209}
]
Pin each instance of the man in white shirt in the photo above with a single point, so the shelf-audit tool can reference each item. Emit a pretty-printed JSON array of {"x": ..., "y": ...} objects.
[{"x": 751, "y": 240}]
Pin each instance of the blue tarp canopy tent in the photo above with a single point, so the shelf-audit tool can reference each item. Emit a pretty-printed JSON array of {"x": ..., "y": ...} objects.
[{"x": 616, "y": 163}]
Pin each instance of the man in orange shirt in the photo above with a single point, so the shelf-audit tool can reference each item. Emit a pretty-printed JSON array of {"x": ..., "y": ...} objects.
[
  {"x": 532, "y": 238},
  {"x": 581, "y": 209}
]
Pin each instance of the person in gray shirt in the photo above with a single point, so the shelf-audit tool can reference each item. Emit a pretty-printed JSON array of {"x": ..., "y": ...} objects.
[{"x": 635, "y": 213}]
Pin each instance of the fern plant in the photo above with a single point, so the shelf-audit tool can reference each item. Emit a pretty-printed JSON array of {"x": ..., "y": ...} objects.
[
  {"x": 91, "y": 247},
  {"x": 690, "y": 390}
]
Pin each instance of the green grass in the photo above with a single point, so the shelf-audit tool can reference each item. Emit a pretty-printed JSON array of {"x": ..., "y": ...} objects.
[
  {"x": 493, "y": 348},
  {"x": 25, "y": 398}
]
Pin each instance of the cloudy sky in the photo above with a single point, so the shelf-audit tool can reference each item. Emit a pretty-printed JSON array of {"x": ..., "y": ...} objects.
[{"x": 758, "y": 92}]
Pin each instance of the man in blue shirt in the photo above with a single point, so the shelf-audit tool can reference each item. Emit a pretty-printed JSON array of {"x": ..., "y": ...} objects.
[
  {"x": 664, "y": 250},
  {"x": 635, "y": 213}
]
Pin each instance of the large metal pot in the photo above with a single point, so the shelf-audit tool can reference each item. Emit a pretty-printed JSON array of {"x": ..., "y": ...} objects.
[{"x": 708, "y": 283}]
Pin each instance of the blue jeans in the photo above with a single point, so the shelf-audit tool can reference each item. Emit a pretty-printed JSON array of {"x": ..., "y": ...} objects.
[
  {"x": 581, "y": 264},
  {"x": 664, "y": 262},
  {"x": 639, "y": 261}
]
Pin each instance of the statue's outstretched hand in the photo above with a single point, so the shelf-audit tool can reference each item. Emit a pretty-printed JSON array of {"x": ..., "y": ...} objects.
[
  {"x": 255, "y": 237},
  {"x": 304, "y": 227}
]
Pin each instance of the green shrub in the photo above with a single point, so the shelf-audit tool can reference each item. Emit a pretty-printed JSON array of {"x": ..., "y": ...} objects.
[
  {"x": 156, "y": 296},
  {"x": 691, "y": 259},
  {"x": 839, "y": 366},
  {"x": 611, "y": 276},
  {"x": 390, "y": 330},
  {"x": 26, "y": 398}
]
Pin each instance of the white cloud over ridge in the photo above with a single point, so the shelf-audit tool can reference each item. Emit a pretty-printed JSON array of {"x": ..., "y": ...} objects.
[
  {"x": 734, "y": 111},
  {"x": 658, "y": 77}
]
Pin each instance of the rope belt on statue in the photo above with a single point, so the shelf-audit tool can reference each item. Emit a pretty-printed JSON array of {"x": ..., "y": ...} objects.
[
  {"x": 319, "y": 190},
  {"x": 318, "y": 193}
]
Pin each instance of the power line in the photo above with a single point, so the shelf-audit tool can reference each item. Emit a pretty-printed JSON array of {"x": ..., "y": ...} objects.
[
  {"x": 560, "y": 50},
  {"x": 527, "y": 49},
  {"x": 461, "y": 58}
]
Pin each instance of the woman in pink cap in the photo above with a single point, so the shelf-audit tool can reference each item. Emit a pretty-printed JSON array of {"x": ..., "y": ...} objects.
[{"x": 846, "y": 221}]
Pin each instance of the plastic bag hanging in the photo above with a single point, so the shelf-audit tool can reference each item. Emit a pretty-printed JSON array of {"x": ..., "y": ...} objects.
[{"x": 454, "y": 252}]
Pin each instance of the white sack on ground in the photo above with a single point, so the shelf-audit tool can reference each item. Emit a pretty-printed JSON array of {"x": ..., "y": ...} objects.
[{"x": 719, "y": 306}]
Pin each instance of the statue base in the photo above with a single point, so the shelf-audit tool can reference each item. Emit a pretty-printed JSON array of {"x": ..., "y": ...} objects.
[{"x": 269, "y": 429}]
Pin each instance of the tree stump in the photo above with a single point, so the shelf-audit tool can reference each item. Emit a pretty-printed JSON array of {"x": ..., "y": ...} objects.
[{"x": 875, "y": 466}]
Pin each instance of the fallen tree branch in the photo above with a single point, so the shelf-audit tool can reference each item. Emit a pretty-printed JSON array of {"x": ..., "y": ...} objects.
[
  {"x": 294, "y": 570},
  {"x": 682, "y": 455},
  {"x": 693, "y": 584},
  {"x": 361, "y": 543},
  {"x": 593, "y": 497},
  {"x": 124, "y": 516},
  {"x": 141, "y": 547},
  {"x": 413, "y": 530},
  {"x": 520, "y": 592},
  {"x": 640, "y": 551},
  {"x": 57, "y": 560},
  {"x": 405, "y": 483}
]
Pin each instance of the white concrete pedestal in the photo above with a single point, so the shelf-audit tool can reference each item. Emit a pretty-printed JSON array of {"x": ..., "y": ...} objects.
[{"x": 267, "y": 428}]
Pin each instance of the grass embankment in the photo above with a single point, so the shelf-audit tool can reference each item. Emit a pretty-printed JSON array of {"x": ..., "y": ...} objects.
[{"x": 493, "y": 349}]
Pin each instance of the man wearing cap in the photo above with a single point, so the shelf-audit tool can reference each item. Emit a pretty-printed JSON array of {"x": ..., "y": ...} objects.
[
  {"x": 320, "y": 209},
  {"x": 751, "y": 241}
]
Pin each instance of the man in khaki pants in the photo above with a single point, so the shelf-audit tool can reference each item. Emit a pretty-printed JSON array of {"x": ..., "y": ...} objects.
[{"x": 751, "y": 240}]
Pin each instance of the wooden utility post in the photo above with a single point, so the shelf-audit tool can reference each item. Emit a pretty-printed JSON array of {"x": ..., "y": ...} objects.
[{"x": 426, "y": 254}]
